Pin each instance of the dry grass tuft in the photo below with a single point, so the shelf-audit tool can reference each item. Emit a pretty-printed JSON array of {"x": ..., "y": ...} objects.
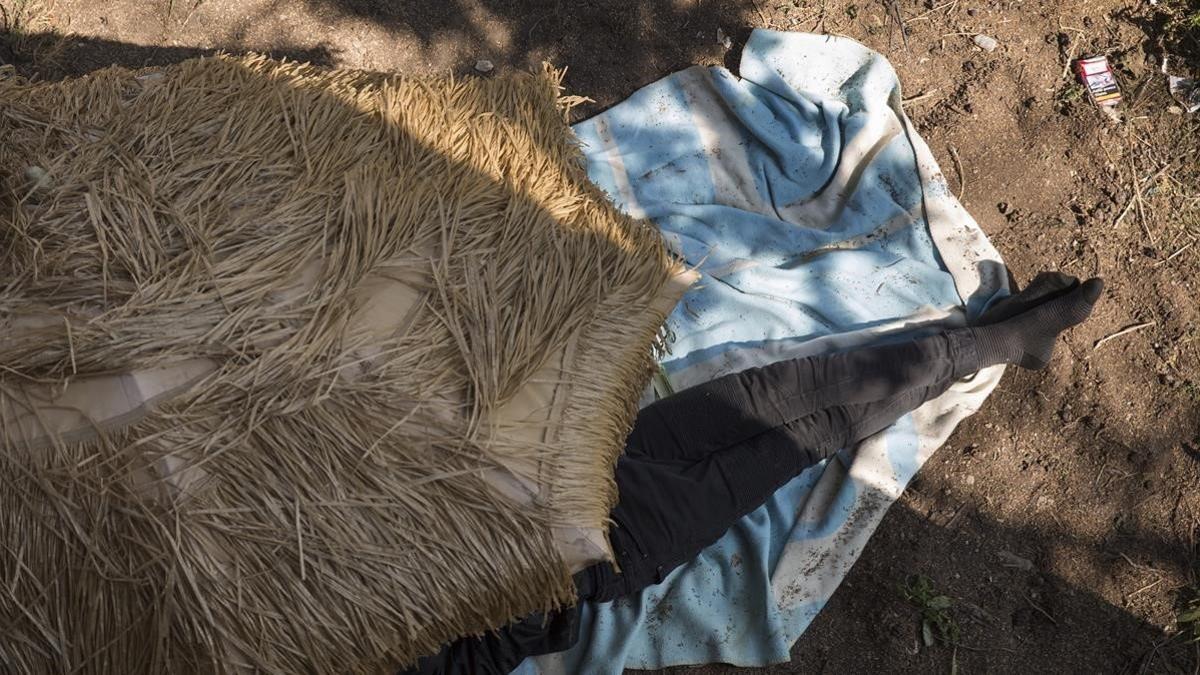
[{"x": 359, "y": 274}]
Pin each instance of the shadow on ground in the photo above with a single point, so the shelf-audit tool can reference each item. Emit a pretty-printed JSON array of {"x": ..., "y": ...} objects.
[
  {"x": 625, "y": 43},
  {"x": 609, "y": 48},
  {"x": 51, "y": 56},
  {"x": 1013, "y": 615}
]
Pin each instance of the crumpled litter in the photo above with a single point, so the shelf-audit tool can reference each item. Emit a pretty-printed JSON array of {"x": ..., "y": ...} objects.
[{"x": 1186, "y": 91}]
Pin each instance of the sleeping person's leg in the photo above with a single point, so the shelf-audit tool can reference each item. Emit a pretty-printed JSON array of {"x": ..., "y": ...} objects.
[
  {"x": 723, "y": 412},
  {"x": 676, "y": 500},
  {"x": 671, "y": 509},
  {"x": 728, "y": 410}
]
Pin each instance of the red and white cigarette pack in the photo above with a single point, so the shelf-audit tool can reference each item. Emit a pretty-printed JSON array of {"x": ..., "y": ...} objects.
[{"x": 1101, "y": 82}]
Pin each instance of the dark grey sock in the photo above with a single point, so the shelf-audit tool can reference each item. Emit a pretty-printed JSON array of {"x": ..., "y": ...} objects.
[
  {"x": 1022, "y": 329},
  {"x": 1045, "y": 286}
]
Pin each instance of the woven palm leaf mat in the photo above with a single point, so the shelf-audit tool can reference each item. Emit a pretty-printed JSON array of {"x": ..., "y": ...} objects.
[{"x": 303, "y": 370}]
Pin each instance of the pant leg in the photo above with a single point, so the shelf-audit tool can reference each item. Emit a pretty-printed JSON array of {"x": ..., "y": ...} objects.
[
  {"x": 499, "y": 652},
  {"x": 691, "y": 487},
  {"x": 832, "y": 429},
  {"x": 672, "y": 508},
  {"x": 730, "y": 409}
]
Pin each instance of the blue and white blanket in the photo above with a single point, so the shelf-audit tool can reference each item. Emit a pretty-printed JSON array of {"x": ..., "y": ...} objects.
[{"x": 819, "y": 221}]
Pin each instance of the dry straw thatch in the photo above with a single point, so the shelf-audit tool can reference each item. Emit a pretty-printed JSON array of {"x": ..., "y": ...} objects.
[{"x": 301, "y": 371}]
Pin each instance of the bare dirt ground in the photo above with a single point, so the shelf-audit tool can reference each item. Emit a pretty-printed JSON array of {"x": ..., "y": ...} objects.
[{"x": 1061, "y": 521}]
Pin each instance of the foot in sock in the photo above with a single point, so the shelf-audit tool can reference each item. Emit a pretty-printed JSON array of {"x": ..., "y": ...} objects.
[
  {"x": 1045, "y": 286},
  {"x": 1022, "y": 329}
]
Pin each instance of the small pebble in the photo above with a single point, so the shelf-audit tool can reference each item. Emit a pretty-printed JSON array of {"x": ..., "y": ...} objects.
[
  {"x": 723, "y": 39},
  {"x": 484, "y": 66},
  {"x": 970, "y": 480},
  {"x": 986, "y": 43},
  {"x": 35, "y": 174},
  {"x": 38, "y": 178}
]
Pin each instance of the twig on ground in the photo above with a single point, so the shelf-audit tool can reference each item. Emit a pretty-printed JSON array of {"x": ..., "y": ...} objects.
[
  {"x": 1136, "y": 97},
  {"x": 819, "y": 26},
  {"x": 529, "y": 33},
  {"x": 1141, "y": 208},
  {"x": 924, "y": 16},
  {"x": 895, "y": 15},
  {"x": 1071, "y": 47},
  {"x": 761, "y": 16},
  {"x": 1100, "y": 473},
  {"x": 1070, "y": 57},
  {"x": 1139, "y": 566},
  {"x": 919, "y": 97},
  {"x": 1039, "y": 609},
  {"x": 962, "y": 176},
  {"x": 1124, "y": 212},
  {"x": 1172, "y": 256},
  {"x": 954, "y": 518},
  {"x": 1137, "y": 192},
  {"x": 1112, "y": 475},
  {"x": 1141, "y": 204},
  {"x": 195, "y": 5},
  {"x": 1124, "y": 331},
  {"x": 1147, "y": 587}
]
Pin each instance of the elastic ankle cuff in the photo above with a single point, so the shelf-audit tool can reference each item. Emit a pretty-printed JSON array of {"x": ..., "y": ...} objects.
[
  {"x": 964, "y": 352},
  {"x": 990, "y": 349}
]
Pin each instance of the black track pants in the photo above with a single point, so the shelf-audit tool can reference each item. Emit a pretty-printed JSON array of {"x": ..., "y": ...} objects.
[{"x": 698, "y": 461}]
